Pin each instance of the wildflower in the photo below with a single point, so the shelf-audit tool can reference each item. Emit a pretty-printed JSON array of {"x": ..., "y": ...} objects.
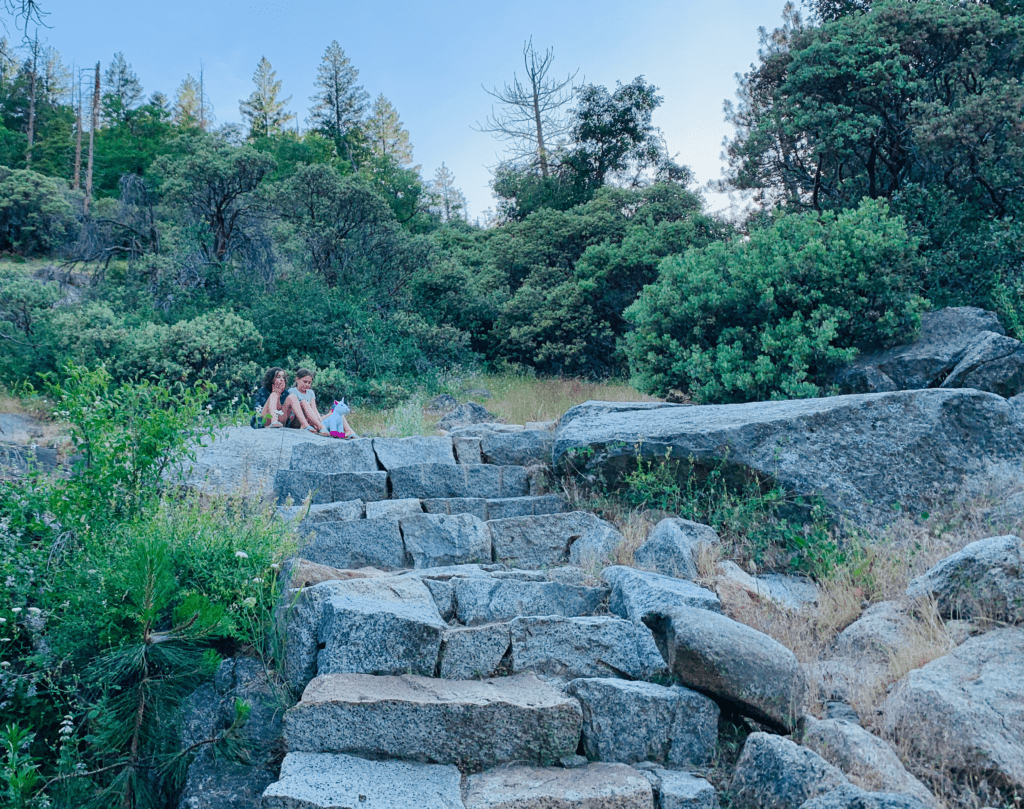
[
  {"x": 275, "y": 566},
  {"x": 5, "y": 664},
  {"x": 5, "y": 640},
  {"x": 15, "y": 610},
  {"x": 241, "y": 555},
  {"x": 34, "y": 611},
  {"x": 10, "y": 581},
  {"x": 257, "y": 581},
  {"x": 3, "y": 620},
  {"x": 92, "y": 571},
  {"x": 250, "y": 602}
]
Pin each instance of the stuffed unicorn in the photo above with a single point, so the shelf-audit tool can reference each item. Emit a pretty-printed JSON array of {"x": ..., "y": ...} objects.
[{"x": 335, "y": 423}]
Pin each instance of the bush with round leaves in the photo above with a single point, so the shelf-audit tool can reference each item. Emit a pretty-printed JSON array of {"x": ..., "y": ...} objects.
[{"x": 774, "y": 316}]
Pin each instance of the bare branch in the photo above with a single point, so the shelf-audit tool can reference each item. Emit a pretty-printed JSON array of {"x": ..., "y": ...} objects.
[{"x": 530, "y": 116}]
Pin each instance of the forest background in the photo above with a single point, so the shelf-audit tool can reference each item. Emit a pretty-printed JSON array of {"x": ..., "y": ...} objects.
[
  {"x": 885, "y": 177},
  {"x": 880, "y": 145}
]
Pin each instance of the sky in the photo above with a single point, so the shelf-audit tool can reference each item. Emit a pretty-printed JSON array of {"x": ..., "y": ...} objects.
[{"x": 433, "y": 60}]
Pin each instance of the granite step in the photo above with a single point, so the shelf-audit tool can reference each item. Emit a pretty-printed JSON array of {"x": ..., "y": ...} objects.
[
  {"x": 431, "y": 480},
  {"x": 331, "y": 781},
  {"x": 471, "y": 723},
  {"x": 496, "y": 508}
]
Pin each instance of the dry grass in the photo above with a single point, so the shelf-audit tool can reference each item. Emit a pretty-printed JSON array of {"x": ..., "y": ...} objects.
[
  {"x": 514, "y": 399},
  {"x": 907, "y": 547},
  {"x": 928, "y": 638},
  {"x": 634, "y": 529},
  {"x": 807, "y": 632},
  {"x": 519, "y": 398}
]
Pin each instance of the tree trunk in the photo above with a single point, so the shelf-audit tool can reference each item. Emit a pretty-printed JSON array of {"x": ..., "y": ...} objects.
[
  {"x": 78, "y": 139},
  {"x": 92, "y": 138},
  {"x": 32, "y": 105},
  {"x": 541, "y": 152}
]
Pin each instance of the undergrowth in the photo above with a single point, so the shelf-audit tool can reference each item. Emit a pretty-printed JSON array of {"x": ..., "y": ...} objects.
[{"x": 122, "y": 592}]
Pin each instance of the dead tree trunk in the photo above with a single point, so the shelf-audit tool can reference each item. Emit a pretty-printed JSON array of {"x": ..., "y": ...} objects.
[
  {"x": 92, "y": 138},
  {"x": 78, "y": 139},
  {"x": 33, "y": 82}
]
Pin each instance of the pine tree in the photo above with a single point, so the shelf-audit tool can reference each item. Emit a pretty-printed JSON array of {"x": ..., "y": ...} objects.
[
  {"x": 9, "y": 66},
  {"x": 339, "y": 104},
  {"x": 190, "y": 107},
  {"x": 264, "y": 112},
  {"x": 385, "y": 135},
  {"x": 446, "y": 201},
  {"x": 123, "y": 89}
]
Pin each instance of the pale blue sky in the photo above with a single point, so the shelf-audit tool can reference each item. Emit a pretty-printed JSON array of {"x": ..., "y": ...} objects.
[{"x": 431, "y": 59}]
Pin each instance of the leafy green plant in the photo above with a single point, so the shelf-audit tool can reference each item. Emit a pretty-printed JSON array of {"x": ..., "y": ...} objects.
[
  {"x": 19, "y": 770},
  {"x": 35, "y": 214},
  {"x": 753, "y": 513},
  {"x": 778, "y": 315},
  {"x": 128, "y": 438}
]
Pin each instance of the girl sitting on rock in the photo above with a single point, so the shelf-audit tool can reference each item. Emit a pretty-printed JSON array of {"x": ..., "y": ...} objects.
[
  {"x": 271, "y": 401},
  {"x": 305, "y": 405}
]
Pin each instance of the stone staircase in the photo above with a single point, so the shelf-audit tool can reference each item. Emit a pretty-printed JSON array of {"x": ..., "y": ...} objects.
[{"x": 462, "y": 653}]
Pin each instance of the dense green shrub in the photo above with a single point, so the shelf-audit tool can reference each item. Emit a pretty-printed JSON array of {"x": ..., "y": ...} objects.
[
  {"x": 25, "y": 308},
  {"x": 36, "y": 217},
  {"x": 218, "y": 348},
  {"x": 775, "y": 316}
]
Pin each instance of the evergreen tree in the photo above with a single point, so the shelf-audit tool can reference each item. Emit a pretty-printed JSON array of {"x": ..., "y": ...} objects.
[
  {"x": 9, "y": 65},
  {"x": 385, "y": 135},
  {"x": 191, "y": 109},
  {"x": 55, "y": 78},
  {"x": 339, "y": 104},
  {"x": 264, "y": 112},
  {"x": 446, "y": 201},
  {"x": 123, "y": 90}
]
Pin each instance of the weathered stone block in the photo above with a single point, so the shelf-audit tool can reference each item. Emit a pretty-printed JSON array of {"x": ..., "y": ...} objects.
[
  {"x": 672, "y": 547},
  {"x": 544, "y": 540},
  {"x": 472, "y": 723},
  {"x": 433, "y": 540},
  {"x": 637, "y": 594},
  {"x": 356, "y": 543},
  {"x": 593, "y": 786},
  {"x": 477, "y": 506},
  {"x": 730, "y": 661},
  {"x": 393, "y": 509},
  {"x": 467, "y": 449},
  {"x": 485, "y": 600},
  {"x": 430, "y": 481},
  {"x": 518, "y": 449},
  {"x": 330, "y": 457},
  {"x": 395, "y": 452},
  {"x": 469, "y": 653},
  {"x": 637, "y": 721},
  {"x": 333, "y": 780},
  {"x": 585, "y": 647},
  {"x": 380, "y": 626}
]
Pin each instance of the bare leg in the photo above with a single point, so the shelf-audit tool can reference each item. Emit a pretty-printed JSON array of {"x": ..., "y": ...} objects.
[
  {"x": 349, "y": 432},
  {"x": 270, "y": 409},
  {"x": 292, "y": 406},
  {"x": 312, "y": 416}
]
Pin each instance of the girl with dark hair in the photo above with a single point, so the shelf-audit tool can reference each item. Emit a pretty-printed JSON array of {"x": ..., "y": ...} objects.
[{"x": 273, "y": 409}]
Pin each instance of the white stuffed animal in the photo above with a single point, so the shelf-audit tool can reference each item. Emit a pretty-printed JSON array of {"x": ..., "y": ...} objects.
[{"x": 335, "y": 423}]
